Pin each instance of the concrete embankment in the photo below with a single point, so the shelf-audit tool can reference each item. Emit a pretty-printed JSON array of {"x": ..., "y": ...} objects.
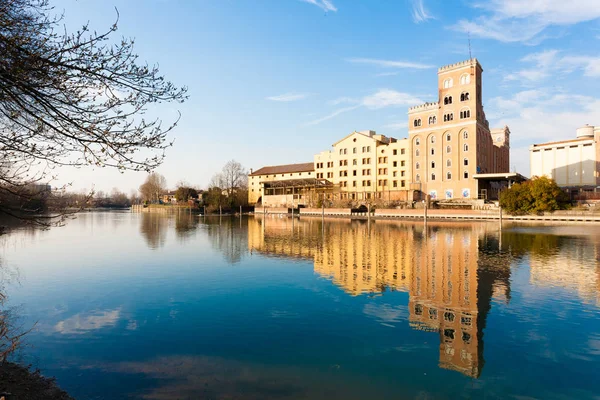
[{"x": 482, "y": 215}]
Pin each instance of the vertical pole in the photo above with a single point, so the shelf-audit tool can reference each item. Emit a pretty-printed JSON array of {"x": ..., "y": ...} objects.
[
  {"x": 240, "y": 211},
  {"x": 425, "y": 212},
  {"x": 500, "y": 217},
  {"x": 220, "y": 211}
]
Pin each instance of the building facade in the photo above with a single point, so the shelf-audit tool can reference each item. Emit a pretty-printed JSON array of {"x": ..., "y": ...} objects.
[
  {"x": 451, "y": 141},
  {"x": 450, "y": 153},
  {"x": 571, "y": 163}
]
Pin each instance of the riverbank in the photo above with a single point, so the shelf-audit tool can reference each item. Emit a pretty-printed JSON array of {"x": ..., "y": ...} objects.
[
  {"x": 20, "y": 383},
  {"x": 438, "y": 214}
]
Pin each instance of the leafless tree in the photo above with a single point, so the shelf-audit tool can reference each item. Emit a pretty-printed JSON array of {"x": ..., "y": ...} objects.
[
  {"x": 72, "y": 99},
  {"x": 153, "y": 187},
  {"x": 233, "y": 178}
]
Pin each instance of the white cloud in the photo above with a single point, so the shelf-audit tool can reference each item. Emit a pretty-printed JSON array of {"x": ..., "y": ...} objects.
[
  {"x": 551, "y": 62},
  {"x": 388, "y": 97},
  {"x": 522, "y": 21},
  {"x": 381, "y": 99},
  {"x": 82, "y": 323},
  {"x": 419, "y": 13},
  {"x": 333, "y": 114},
  {"x": 344, "y": 100},
  {"x": 389, "y": 63},
  {"x": 289, "y": 97},
  {"x": 325, "y": 5},
  {"x": 387, "y": 74}
]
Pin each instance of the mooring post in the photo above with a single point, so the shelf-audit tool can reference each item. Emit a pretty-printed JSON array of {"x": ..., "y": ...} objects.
[
  {"x": 220, "y": 211},
  {"x": 425, "y": 211}
]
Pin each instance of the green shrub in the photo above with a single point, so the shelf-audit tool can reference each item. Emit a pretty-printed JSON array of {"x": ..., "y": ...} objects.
[{"x": 540, "y": 194}]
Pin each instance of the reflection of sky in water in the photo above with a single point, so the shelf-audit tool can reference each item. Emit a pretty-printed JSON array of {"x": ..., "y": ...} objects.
[{"x": 161, "y": 307}]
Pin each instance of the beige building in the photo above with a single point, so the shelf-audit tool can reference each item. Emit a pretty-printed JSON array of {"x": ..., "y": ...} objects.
[
  {"x": 283, "y": 184},
  {"x": 452, "y": 145},
  {"x": 450, "y": 153},
  {"x": 571, "y": 163},
  {"x": 365, "y": 165}
]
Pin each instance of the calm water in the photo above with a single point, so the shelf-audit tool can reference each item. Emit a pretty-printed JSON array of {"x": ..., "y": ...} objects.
[{"x": 157, "y": 307}]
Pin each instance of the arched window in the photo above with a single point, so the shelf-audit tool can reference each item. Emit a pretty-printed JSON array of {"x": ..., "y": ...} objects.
[
  {"x": 417, "y": 142},
  {"x": 432, "y": 120},
  {"x": 465, "y": 113},
  {"x": 418, "y": 178},
  {"x": 466, "y": 161},
  {"x": 448, "y": 163},
  {"x": 432, "y": 139},
  {"x": 466, "y": 175},
  {"x": 417, "y": 153},
  {"x": 447, "y": 100},
  {"x": 433, "y": 177},
  {"x": 465, "y": 147},
  {"x": 432, "y": 151},
  {"x": 448, "y": 137},
  {"x": 448, "y": 83},
  {"x": 448, "y": 117},
  {"x": 465, "y": 79},
  {"x": 464, "y": 96},
  {"x": 433, "y": 164},
  {"x": 449, "y": 175},
  {"x": 465, "y": 135},
  {"x": 419, "y": 122},
  {"x": 448, "y": 149}
]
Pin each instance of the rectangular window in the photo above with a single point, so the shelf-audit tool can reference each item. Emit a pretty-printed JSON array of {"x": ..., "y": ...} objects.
[
  {"x": 402, "y": 151},
  {"x": 402, "y": 173},
  {"x": 402, "y": 163},
  {"x": 355, "y": 162},
  {"x": 403, "y": 183},
  {"x": 353, "y": 183},
  {"x": 395, "y": 164},
  {"x": 354, "y": 173},
  {"x": 394, "y": 152},
  {"x": 394, "y": 183},
  {"x": 395, "y": 173}
]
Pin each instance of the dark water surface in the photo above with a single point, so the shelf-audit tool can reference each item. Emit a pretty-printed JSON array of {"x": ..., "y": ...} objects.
[{"x": 180, "y": 307}]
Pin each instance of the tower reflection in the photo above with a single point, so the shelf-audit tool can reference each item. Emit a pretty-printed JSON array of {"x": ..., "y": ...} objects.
[{"x": 451, "y": 271}]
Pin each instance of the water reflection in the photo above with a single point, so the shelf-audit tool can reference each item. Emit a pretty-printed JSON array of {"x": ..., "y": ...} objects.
[
  {"x": 451, "y": 270},
  {"x": 153, "y": 227}
]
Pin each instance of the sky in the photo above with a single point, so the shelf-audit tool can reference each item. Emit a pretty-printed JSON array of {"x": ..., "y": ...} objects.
[{"x": 276, "y": 81}]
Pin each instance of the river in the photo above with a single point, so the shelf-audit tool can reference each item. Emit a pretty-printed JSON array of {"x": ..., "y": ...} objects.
[{"x": 156, "y": 306}]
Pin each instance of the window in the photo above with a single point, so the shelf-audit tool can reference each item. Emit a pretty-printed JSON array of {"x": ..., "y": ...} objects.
[
  {"x": 447, "y": 100},
  {"x": 394, "y": 173},
  {"x": 465, "y": 79},
  {"x": 341, "y": 151},
  {"x": 403, "y": 183},
  {"x": 402, "y": 163},
  {"x": 417, "y": 122},
  {"x": 417, "y": 142},
  {"x": 448, "y": 149},
  {"x": 364, "y": 149},
  {"x": 466, "y": 161},
  {"x": 465, "y": 147},
  {"x": 448, "y": 117},
  {"x": 433, "y": 164},
  {"x": 466, "y": 113},
  {"x": 354, "y": 173},
  {"x": 432, "y": 120},
  {"x": 417, "y": 166},
  {"x": 395, "y": 164},
  {"x": 354, "y": 150},
  {"x": 464, "y": 96},
  {"x": 433, "y": 176},
  {"x": 355, "y": 162},
  {"x": 448, "y": 83},
  {"x": 394, "y": 183},
  {"x": 402, "y": 151},
  {"x": 466, "y": 175},
  {"x": 368, "y": 149},
  {"x": 394, "y": 152},
  {"x": 465, "y": 135},
  {"x": 402, "y": 173},
  {"x": 417, "y": 152},
  {"x": 353, "y": 183},
  {"x": 432, "y": 139},
  {"x": 418, "y": 178},
  {"x": 432, "y": 151},
  {"x": 448, "y": 137},
  {"x": 448, "y": 163},
  {"x": 449, "y": 175}
]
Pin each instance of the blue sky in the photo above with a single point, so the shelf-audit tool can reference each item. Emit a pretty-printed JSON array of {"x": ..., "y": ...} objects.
[{"x": 276, "y": 81}]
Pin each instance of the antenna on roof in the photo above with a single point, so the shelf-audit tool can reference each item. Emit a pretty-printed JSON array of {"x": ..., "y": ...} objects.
[{"x": 469, "y": 38}]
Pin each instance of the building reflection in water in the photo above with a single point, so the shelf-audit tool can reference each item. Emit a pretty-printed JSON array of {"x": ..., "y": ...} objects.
[{"x": 446, "y": 269}]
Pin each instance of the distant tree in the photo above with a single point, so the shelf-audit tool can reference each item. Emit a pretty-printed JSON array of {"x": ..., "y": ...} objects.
[
  {"x": 539, "y": 194},
  {"x": 234, "y": 178},
  {"x": 153, "y": 187},
  {"x": 185, "y": 193},
  {"x": 72, "y": 99}
]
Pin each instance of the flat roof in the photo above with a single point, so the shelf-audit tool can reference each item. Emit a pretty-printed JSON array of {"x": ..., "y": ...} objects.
[
  {"x": 501, "y": 176},
  {"x": 563, "y": 141}
]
